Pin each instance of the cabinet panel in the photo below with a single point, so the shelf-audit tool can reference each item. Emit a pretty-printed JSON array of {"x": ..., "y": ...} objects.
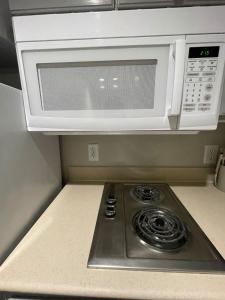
[
  {"x": 129, "y": 4},
  {"x": 24, "y": 7},
  {"x": 7, "y": 49},
  {"x": 202, "y": 2},
  {"x": 126, "y": 4}
]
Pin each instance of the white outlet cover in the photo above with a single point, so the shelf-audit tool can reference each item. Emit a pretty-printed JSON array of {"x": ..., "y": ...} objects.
[
  {"x": 210, "y": 154},
  {"x": 93, "y": 152}
]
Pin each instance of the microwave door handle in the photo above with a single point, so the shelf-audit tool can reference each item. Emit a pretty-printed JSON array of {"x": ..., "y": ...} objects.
[{"x": 179, "y": 58}]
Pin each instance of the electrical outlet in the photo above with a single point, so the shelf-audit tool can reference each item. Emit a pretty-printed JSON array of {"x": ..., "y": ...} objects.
[
  {"x": 93, "y": 152},
  {"x": 210, "y": 154}
]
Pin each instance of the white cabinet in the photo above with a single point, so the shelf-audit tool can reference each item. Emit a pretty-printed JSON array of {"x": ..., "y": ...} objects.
[{"x": 26, "y": 7}]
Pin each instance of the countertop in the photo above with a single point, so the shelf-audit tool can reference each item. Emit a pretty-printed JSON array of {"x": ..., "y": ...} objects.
[{"x": 52, "y": 257}]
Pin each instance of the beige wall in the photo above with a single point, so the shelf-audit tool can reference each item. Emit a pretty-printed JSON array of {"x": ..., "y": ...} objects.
[{"x": 141, "y": 150}]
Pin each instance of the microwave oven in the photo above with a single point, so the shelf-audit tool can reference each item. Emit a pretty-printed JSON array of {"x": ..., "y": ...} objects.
[{"x": 122, "y": 71}]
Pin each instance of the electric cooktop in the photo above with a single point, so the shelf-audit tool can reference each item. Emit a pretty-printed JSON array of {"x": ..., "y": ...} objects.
[{"x": 145, "y": 227}]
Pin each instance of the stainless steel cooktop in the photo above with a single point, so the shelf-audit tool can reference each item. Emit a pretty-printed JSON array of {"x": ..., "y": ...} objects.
[{"x": 145, "y": 227}]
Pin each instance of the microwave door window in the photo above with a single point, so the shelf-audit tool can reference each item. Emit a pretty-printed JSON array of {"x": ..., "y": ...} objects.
[{"x": 98, "y": 86}]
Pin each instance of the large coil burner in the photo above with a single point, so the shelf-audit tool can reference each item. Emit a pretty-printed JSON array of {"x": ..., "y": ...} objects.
[{"x": 160, "y": 228}]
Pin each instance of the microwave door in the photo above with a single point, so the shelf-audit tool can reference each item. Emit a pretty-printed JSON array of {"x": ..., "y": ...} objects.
[{"x": 117, "y": 86}]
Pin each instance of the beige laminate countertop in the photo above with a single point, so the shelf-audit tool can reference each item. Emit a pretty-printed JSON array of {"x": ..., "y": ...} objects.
[{"x": 52, "y": 257}]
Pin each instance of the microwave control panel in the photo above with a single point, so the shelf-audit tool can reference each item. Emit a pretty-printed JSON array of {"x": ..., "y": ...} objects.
[{"x": 200, "y": 79}]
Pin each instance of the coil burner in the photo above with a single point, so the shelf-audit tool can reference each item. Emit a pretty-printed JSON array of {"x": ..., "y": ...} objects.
[
  {"x": 146, "y": 193},
  {"x": 160, "y": 228}
]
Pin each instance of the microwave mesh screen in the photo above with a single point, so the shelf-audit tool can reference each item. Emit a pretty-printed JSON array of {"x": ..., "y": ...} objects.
[{"x": 98, "y": 85}]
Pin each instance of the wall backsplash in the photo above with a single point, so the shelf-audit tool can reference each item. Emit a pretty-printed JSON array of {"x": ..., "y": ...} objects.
[{"x": 141, "y": 150}]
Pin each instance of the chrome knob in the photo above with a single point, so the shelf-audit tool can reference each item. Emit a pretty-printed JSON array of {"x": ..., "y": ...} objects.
[{"x": 110, "y": 212}]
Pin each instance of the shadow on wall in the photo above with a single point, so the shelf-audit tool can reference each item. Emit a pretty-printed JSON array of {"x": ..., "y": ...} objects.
[{"x": 10, "y": 76}]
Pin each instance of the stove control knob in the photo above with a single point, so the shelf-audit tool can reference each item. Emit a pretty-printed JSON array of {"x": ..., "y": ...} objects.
[
  {"x": 111, "y": 200},
  {"x": 110, "y": 212}
]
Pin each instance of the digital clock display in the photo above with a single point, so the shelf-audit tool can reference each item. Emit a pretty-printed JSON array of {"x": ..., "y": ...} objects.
[{"x": 198, "y": 52}]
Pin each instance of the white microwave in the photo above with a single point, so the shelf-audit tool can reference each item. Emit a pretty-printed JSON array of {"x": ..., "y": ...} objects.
[{"x": 102, "y": 72}]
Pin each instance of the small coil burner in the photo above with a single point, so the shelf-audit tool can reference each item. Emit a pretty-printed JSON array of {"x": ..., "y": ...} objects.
[
  {"x": 146, "y": 193},
  {"x": 160, "y": 229}
]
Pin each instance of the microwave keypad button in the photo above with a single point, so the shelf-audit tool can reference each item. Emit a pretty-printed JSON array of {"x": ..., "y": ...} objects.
[
  {"x": 208, "y": 79},
  {"x": 198, "y": 94},
  {"x": 188, "y": 109},
  {"x": 202, "y": 62},
  {"x": 192, "y": 79},
  {"x": 208, "y": 73},
  {"x": 189, "y": 105},
  {"x": 204, "y": 105},
  {"x": 207, "y": 97},
  {"x": 209, "y": 87},
  {"x": 202, "y": 68},
  {"x": 191, "y": 69},
  {"x": 204, "y": 109},
  {"x": 210, "y": 68},
  {"x": 212, "y": 63},
  {"x": 192, "y": 74},
  {"x": 191, "y": 64}
]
